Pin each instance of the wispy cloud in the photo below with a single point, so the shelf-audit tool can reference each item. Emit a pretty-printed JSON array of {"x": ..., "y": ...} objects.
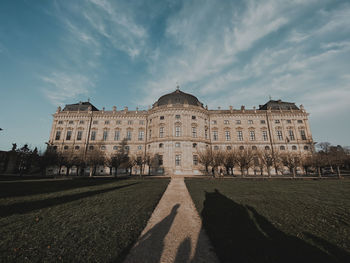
[{"x": 61, "y": 86}]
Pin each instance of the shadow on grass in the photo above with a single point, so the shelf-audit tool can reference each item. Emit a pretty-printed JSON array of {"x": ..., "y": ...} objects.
[
  {"x": 240, "y": 234},
  {"x": 22, "y": 188},
  {"x": 26, "y": 207},
  {"x": 150, "y": 246}
]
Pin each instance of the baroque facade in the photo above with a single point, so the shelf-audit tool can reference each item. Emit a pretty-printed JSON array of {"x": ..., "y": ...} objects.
[{"x": 177, "y": 126}]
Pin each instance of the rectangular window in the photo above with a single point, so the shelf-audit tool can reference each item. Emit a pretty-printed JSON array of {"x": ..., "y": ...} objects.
[
  {"x": 252, "y": 135},
  {"x": 79, "y": 135},
  {"x": 262, "y": 122},
  {"x": 141, "y": 135},
  {"x": 240, "y": 135},
  {"x": 69, "y": 135},
  {"x": 300, "y": 121},
  {"x": 291, "y": 135},
  {"x": 238, "y": 121},
  {"x": 93, "y": 135},
  {"x": 177, "y": 145},
  {"x": 250, "y": 121},
  {"x": 177, "y": 160},
  {"x": 264, "y": 134},
  {"x": 150, "y": 134},
  {"x": 177, "y": 131},
  {"x": 106, "y": 122},
  {"x": 105, "y": 135},
  {"x": 277, "y": 121},
  {"x": 60, "y": 122},
  {"x": 226, "y": 122},
  {"x": 70, "y": 122},
  {"x": 58, "y": 135},
  {"x": 129, "y": 122},
  {"x": 213, "y": 121},
  {"x": 227, "y": 135},
  {"x": 141, "y": 122},
  {"x": 195, "y": 159},
  {"x": 289, "y": 121},
  {"x": 215, "y": 135},
  {"x": 161, "y": 132},
  {"x": 194, "y": 117},
  {"x": 119, "y": 122},
  {"x": 177, "y": 116},
  {"x": 128, "y": 135},
  {"x": 194, "y": 132},
  {"x": 160, "y": 159},
  {"x": 117, "y": 135},
  {"x": 81, "y": 122},
  {"x": 302, "y": 134},
  {"x": 161, "y": 117},
  {"x": 95, "y": 122},
  {"x": 279, "y": 135}
]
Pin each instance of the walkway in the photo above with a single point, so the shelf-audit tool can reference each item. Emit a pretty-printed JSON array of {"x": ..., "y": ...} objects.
[{"x": 173, "y": 233}]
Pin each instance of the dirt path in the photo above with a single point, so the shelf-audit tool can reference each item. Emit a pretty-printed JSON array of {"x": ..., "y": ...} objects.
[{"x": 173, "y": 233}]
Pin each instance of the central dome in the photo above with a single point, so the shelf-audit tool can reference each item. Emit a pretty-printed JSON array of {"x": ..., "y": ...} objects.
[{"x": 178, "y": 97}]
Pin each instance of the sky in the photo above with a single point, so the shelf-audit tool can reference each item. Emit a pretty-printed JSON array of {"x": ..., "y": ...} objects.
[{"x": 129, "y": 53}]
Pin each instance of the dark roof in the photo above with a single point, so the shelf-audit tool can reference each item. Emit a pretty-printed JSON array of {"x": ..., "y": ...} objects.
[
  {"x": 278, "y": 105},
  {"x": 178, "y": 97},
  {"x": 81, "y": 106}
]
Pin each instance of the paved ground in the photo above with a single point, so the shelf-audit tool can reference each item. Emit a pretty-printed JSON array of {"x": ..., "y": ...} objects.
[{"x": 173, "y": 233}]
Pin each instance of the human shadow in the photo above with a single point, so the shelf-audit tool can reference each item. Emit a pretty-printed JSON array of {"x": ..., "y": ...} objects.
[
  {"x": 151, "y": 245},
  {"x": 184, "y": 251},
  {"x": 240, "y": 234},
  {"x": 26, "y": 207},
  {"x": 25, "y": 188}
]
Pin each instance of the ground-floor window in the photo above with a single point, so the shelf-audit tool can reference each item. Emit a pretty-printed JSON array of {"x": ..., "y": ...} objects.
[
  {"x": 177, "y": 160},
  {"x": 195, "y": 159}
]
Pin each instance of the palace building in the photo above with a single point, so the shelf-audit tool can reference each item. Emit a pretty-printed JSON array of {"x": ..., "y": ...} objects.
[{"x": 178, "y": 126}]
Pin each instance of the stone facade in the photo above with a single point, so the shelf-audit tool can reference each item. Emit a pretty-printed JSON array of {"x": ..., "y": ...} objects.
[{"x": 178, "y": 126}]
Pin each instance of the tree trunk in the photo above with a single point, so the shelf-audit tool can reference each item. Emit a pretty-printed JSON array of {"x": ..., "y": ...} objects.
[
  {"x": 338, "y": 172},
  {"x": 319, "y": 172},
  {"x": 294, "y": 172},
  {"x": 242, "y": 172},
  {"x": 268, "y": 172}
]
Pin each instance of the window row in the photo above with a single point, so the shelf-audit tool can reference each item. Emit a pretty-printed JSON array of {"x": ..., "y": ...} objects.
[
  {"x": 252, "y": 122},
  {"x": 118, "y": 122},
  {"x": 264, "y": 135}
]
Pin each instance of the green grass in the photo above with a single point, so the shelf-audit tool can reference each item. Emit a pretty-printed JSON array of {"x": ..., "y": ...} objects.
[
  {"x": 80, "y": 220},
  {"x": 275, "y": 220}
]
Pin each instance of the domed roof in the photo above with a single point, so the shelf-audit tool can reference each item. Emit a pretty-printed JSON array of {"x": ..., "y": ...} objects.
[{"x": 178, "y": 97}]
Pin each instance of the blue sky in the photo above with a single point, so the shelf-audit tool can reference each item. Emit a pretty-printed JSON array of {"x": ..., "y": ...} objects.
[{"x": 128, "y": 53}]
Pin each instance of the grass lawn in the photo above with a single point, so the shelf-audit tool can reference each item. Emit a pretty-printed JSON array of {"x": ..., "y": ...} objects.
[
  {"x": 275, "y": 220},
  {"x": 80, "y": 220}
]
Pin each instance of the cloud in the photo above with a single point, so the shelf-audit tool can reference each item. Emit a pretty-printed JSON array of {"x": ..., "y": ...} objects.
[{"x": 61, "y": 86}]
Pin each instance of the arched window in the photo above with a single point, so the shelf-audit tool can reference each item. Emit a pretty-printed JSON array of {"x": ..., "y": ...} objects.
[
  {"x": 267, "y": 148},
  {"x": 282, "y": 148},
  {"x": 241, "y": 147},
  {"x": 294, "y": 147}
]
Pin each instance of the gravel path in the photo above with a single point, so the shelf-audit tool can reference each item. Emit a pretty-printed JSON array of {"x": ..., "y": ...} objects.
[{"x": 173, "y": 233}]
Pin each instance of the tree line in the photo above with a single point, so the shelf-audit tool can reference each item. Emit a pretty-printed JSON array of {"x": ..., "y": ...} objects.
[
  {"x": 328, "y": 159},
  {"x": 31, "y": 161}
]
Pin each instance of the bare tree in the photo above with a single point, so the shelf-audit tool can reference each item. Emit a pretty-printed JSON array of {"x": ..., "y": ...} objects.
[
  {"x": 228, "y": 161},
  {"x": 266, "y": 160},
  {"x": 205, "y": 157},
  {"x": 290, "y": 160},
  {"x": 120, "y": 158},
  {"x": 217, "y": 161},
  {"x": 337, "y": 157},
  {"x": 94, "y": 158},
  {"x": 306, "y": 162},
  {"x": 244, "y": 159}
]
